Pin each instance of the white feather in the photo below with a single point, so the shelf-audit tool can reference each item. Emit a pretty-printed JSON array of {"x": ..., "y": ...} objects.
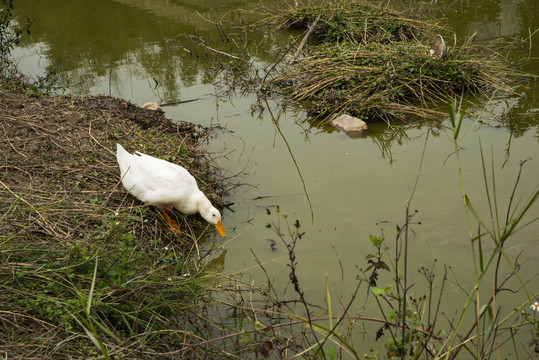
[{"x": 160, "y": 183}]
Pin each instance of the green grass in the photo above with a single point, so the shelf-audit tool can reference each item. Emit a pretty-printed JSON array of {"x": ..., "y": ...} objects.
[
  {"x": 86, "y": 270},
  {"x": 128, "y": 289}
]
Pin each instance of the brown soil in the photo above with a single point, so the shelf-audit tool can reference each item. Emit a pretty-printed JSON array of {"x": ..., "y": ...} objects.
[{"x": 59, "y": 174}]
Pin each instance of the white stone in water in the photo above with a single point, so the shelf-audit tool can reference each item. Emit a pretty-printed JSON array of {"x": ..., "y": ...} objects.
[
  {"x": 152, "y": 106},
  {"x": 349, "y": 124}
]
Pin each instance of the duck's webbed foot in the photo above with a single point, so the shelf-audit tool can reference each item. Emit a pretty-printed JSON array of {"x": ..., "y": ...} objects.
[{"x": 173, "y": 224}]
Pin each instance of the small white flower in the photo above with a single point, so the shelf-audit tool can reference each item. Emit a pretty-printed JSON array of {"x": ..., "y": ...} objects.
[
  {"x": 116, "y": 213},
  {"x": 535, "y": 306},
  {"x": 169, "y": 278},
  {"x": 117, "y": 223},
  {"x": 166, "y": 247},
  {"x": 185, "y": 275}
]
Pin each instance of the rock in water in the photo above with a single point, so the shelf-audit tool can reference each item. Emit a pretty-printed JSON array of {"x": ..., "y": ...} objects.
[
  {"x": 349, "y": 124},
  {"x": 437, "y": 47},
  {"x": 152, "y": 106}
]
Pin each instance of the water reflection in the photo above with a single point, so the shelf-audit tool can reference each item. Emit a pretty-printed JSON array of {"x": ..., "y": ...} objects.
[
  {"x": 152, "y": 49},
  {"x": 489, "y": 19},
  {"x": 147, "y": 41}
]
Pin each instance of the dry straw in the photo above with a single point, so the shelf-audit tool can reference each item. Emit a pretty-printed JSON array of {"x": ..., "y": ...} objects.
[
  {"x": 374, "y": 63},
  {"x": 83, "y": 263}
]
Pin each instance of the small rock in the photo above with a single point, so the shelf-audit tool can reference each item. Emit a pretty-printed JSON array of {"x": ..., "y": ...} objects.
[
  {"x": 152, "y": 106},
  {"x": 349, "y": 124}
]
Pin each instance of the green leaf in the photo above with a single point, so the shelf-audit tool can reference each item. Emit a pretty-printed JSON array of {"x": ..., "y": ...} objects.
[
  {"x": 477, "y": 217},
  {"x": 490, "y": 319},
  {"x": 376, "y": 241},
  {"x": 246, "y": 339},
  {"x": 377, "y": 291},
  {"x": 91, "y": 294},
  {"x": 328, "y": 303},
  {"x": 331, "y": 353}
]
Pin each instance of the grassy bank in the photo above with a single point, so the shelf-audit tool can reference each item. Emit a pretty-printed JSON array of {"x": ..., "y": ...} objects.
[{"x": 86, "y": 270}]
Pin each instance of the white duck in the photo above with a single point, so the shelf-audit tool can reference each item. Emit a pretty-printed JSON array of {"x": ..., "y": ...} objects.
[{"x": 165, "y": 185}]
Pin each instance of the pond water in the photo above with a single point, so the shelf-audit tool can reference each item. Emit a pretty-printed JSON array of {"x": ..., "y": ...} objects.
[{"x": 342, "y": 189}]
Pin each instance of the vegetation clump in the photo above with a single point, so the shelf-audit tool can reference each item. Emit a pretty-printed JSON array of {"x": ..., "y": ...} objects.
[
  {"x": 86, "y": 270},
  {"x": 352, "y": 21},
  {"x": 374, "y": 63}
]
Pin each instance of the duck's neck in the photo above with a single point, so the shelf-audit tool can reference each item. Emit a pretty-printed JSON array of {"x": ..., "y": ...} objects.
[
  {"x": 205, "y": 207},
  {"x": 200, "y": 201}
]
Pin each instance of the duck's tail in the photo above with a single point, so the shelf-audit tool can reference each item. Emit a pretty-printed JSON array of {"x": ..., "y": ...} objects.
[
  {"x": 119, "y": 149},
  {"x": 122, "y": 156}
]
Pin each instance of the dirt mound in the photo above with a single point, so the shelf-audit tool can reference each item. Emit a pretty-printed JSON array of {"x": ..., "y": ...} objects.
[
  {"x": 125, "y": 109},
  {"x": 59, "y": 174}
]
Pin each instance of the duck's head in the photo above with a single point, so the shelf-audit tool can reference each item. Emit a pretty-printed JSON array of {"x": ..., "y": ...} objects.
[{"x": 212, "y": 215}]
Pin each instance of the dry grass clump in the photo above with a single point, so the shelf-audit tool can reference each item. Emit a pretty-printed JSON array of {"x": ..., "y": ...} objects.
[
  {"x": 85, "y": 269},
  {"x": 374, "y": 63},
  {"x": 60, "y": 162},
  {"x": 351, "y": 21},
  {"x": 388, "y": 82}
]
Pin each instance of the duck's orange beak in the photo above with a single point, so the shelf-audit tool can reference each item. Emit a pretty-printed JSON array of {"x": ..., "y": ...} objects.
[{"x": 219, "y": 227}]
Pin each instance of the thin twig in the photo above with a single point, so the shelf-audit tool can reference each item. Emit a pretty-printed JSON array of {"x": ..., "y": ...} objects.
[
  {"x": 304, "y": 41},
  {"x": 406, "y": 227}
]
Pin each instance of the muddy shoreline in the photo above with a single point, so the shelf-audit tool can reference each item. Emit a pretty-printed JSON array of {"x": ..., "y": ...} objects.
[{"x": 61, "y": 150}]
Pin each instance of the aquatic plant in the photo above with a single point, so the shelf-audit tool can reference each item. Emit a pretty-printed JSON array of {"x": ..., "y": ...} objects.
[
  {"x": 10, "y": 35},
  {"x": 350, "y": 21},
  {"x": 490, "y": 320},
  {"x": 374, "y": 63},
  {"x": 414, "y": 321}
]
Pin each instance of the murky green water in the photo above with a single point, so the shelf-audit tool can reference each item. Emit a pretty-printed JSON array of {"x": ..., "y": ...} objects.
[{"x": 341, "y": 189}]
